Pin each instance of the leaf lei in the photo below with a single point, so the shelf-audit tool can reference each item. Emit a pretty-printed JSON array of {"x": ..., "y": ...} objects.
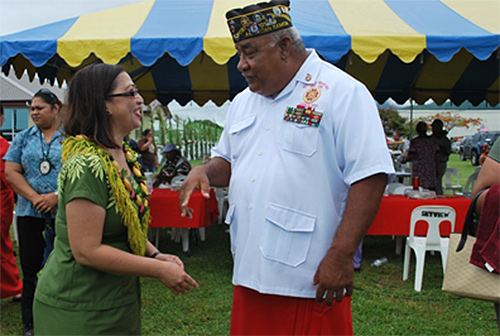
[{"x": 131, "y": 202}]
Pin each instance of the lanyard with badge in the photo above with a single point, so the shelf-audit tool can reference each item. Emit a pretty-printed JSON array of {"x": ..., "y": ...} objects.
[{"x": 45, "y": 165}]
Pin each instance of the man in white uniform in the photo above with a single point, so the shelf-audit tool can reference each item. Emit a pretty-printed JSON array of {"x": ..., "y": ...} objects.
[{"x": 306, "y": 161}]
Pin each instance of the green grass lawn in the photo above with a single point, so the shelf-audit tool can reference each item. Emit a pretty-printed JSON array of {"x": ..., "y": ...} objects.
[{"x": 383, "y": 304}]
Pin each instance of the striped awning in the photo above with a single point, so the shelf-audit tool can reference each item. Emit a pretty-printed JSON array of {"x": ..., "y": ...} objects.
[{"x": 178, "y": 49}]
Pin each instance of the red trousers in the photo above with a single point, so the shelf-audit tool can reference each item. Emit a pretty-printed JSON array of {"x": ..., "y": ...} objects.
[
  {"x": 263, "y": 314},
  {"x": 10, "y": 282}
]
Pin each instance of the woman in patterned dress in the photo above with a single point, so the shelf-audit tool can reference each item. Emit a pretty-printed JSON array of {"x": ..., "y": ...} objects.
[{"x": 423, "y": 153}]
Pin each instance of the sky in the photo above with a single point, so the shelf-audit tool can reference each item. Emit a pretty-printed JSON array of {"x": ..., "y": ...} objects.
[{"x": 17, "y": 15}]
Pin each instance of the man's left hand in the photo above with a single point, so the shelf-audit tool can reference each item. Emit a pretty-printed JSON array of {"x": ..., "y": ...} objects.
[{"x": 334, "y": 278}]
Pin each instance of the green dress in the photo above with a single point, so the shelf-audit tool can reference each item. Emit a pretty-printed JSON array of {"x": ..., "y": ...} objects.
[{"x": 72, "y": 299}]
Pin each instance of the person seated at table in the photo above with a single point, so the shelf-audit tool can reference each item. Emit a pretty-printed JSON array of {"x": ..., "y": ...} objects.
[
  {"x": 424, "y": 154},
  {"x": 175, "y": 165},
  {"x": 398, "y": 142},
  {"x": 399, "y": 146}
]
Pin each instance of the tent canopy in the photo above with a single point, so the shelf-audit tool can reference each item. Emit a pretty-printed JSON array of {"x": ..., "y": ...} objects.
[{"x": 177, "y": 49}]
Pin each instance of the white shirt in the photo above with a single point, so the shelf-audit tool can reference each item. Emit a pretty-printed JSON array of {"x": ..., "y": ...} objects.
[{"x": 290, "y": 181}]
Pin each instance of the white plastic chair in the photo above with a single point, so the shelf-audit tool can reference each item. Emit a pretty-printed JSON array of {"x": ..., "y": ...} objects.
[
  {"x": 469, "y": 185},
  {"x": 434, "y": 215},
  {"x": 402, "y": 190},
  {"x": 222, "y": 197},
  {"x": 448, "y": 183},
  {"x": 391, "y": 187}
]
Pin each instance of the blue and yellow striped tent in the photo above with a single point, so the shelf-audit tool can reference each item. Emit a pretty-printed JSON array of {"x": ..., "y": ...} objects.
[{"x": 182, "y": 49}]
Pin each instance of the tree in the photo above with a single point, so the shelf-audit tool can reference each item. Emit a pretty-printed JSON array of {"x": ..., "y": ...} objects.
[
  {"x": 451, "y": 120},
  {"x": 393, "y": 121}
]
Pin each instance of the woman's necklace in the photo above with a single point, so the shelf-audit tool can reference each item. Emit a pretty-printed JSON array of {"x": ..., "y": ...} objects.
[
  {"x": 130, "y": 199},
  {"x": 139, "y": 191},
  {"x": 45, "y": 165}
]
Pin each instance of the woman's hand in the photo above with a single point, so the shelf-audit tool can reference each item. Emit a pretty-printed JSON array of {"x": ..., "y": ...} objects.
[
  {"x": 170, "y": 258},
  {"x": 45, "y": 203}
]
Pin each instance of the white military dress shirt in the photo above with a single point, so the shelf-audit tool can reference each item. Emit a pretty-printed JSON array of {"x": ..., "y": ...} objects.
[{"x": 290, "y": 178}]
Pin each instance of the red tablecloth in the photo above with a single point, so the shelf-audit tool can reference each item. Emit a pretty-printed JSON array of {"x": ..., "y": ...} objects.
[
  {"x": 165, "y": 209},
  {"x": 394, "y": 213}
]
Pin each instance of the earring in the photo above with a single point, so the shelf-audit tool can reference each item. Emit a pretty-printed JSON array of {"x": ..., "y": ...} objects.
[{"x": 109, "y": 112}]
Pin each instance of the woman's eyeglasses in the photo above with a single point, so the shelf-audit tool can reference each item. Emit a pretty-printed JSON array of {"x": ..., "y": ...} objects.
[
  {"x": 47, "y": 93},
  {"x": 132, "y": 93}
]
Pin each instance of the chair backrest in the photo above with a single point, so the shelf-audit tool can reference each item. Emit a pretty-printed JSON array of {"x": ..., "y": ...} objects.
[
  {"x": 434, "y": 215},
  {"x": 469, "y": 185},
  {"x": 450, "y": 171},
  {"x": 401, "y": 190},
  {"x": 393, "y": 186}
]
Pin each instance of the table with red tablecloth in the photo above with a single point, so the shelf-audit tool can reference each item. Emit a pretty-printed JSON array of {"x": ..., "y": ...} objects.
[
  {"x": 394, "y": 214},
  {"x": 165, "y": 212}
]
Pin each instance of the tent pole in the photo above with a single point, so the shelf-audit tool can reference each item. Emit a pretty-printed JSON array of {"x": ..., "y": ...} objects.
[{"x": 411, "y": 119}]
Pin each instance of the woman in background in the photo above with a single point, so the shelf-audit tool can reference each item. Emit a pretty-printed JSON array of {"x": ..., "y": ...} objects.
[
  {"x": 423, "y": 153},
  {"x": 31, "y": 167},
  {"x": 101, "y": 247},
  {"x": 147, "y": 148},
  {"x": 10, "y": 282}
]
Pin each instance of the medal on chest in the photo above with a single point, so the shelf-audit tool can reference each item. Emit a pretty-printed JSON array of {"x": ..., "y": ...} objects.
[
  {"x": 312, "y": 94},
  {"x": 45, "y": 167},
  {"x": 303, "y": 115}
]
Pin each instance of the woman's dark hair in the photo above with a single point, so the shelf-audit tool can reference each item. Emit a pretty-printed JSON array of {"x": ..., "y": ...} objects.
[
  {"x": 421, "y": 128},
  {"x": 146, "y": 131},
  {"x": 87, "y": 103},
  {"x": 48, "y": 96}
]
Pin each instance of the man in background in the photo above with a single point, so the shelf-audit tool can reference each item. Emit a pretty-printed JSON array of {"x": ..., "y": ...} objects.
[
  {"x": 175, "y": 165},
  {"x": 439, "y": 136}
]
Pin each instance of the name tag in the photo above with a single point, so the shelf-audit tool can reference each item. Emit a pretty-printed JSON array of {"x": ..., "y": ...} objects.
[{"x": 303, "y": 115}]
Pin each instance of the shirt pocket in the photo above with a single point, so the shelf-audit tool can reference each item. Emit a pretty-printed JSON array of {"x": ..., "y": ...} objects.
[
  {"x": 298, "y": 138},
  {"x": 237, "y": 133},
  {"x": 287, "y": 235}
]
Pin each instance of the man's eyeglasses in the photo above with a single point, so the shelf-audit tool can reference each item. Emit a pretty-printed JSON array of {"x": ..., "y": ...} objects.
[
  {"x": 132, "y": 93},
  {"x": 47, "y": 93}
]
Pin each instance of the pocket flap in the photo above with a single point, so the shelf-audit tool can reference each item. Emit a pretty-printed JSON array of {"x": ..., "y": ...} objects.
[
  {"x": 290, "y": 219},
  {"x": 242, "y": 124}
]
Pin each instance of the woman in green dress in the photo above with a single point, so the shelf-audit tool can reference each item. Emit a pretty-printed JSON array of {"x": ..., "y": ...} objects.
[{"x": 90, "y": 284}]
